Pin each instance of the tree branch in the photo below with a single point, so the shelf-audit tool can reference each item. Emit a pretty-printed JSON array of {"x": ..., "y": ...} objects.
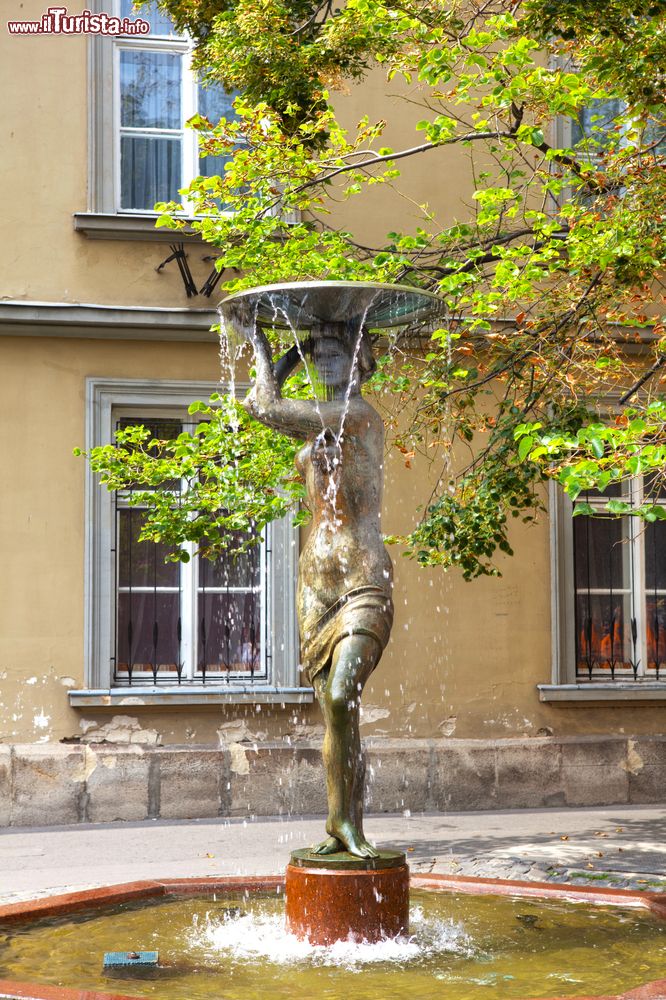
[
  {"x": 643, "y": 379},
  {"x": 574, "y": 166},
  {"x": 326, "y": 6},
  {"x": 389, "y": 157}
]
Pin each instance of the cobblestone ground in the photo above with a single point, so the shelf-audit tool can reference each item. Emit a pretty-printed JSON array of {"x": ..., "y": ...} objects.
[{"x": 531, "y": 871}]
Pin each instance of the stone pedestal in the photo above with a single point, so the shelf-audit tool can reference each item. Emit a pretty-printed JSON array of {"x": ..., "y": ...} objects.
[{"x": 336, "y": 897}]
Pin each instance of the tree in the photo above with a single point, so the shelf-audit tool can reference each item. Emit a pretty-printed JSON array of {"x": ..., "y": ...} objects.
[{"x": 551, "y": 279}]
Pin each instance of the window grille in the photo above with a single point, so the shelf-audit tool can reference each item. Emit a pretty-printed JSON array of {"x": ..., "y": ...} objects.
[
  {"x": 184, "y": 622},
  {"x": 620, "y": 593}
]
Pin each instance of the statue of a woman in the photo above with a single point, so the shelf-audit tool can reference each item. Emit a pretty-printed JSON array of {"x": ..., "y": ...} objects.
[{"x": 345, "y": 610}]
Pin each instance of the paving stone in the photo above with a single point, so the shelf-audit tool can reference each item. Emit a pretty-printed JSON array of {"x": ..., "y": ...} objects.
[
  {"x": 252, "y": 779},
  {"x": 192, "y": 782},
  {"x": 301, "y": 783},
  {"x": 58, "y": 784},
  {"x": 594, "y": 772},
  {"x": 118, "y": 785},
  {"x": 397, "y": 779},
  {"x": 276, "y": 780},
  {"x": 649, "y": 750},
  {"x": 646, "y": 769},
  {"x": 648, "y": 785},
  {"x": 48, "y": 785}
]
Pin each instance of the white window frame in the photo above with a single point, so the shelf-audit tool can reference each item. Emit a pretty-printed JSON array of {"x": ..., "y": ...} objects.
[
  {"x": 104, "y": 398},
  {"x": 104, "y": 114},
  {"x": 186, "y": 136},
  {"x": 190, "y": 577},
  {"x": 104, "y": 219},
  {"x": 564, "y": 685}
]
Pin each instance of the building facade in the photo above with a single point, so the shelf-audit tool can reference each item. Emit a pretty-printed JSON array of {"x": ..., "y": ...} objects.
[{"x": 132, "y": 688}]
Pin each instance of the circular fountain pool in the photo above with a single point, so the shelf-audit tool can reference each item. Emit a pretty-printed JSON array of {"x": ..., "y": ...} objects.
[{"x": 235, "y": 945}]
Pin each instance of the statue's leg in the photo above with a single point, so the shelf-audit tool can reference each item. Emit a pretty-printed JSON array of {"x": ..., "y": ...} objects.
[
  {"x": 331, "y": 845},
  {"x": 354, "y": 660}
]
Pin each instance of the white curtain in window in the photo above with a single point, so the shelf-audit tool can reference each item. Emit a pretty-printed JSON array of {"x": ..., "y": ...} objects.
[
  {"x": 149, "y": 169},
  {"x": 150, "y": 123}
]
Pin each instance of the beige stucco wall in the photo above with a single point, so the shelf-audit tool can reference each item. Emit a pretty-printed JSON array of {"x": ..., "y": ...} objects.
[
  {"x": 463, "y": 660},
  {"x": 45, "y": 163}
]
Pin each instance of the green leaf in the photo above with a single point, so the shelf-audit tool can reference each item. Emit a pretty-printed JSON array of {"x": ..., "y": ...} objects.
[
  {"x": 597, "y": 447},
  {"x": 618, "y": 507},
  {"x": 525, "y": 446}
]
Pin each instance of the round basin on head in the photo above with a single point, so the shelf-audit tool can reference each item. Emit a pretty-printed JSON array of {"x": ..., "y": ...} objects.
[{"x": 307, "y": 304}]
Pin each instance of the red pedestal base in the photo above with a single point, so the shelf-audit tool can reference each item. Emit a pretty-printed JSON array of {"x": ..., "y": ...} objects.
[{"x": 329, "y": 904}]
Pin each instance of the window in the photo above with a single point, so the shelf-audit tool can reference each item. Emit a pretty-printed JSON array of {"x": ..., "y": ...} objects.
[
  {"x": 223, "y": 630},
  {"x": 620, "y": 593},
  {"x": 143, "y": 93},
  {"x": 184, "y": 622},
  {"x": 609, "y": 597},
  {"x": 598, "y": 125}
]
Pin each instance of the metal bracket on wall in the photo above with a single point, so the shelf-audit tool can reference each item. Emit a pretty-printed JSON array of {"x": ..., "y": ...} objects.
[
  {"x": 211, "y": 281},
  {"x": 213, "y": 278},
  {"x": 178, "y": 254}
]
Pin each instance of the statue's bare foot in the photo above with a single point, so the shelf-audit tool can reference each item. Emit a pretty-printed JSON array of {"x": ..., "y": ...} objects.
[
  {"x": 352, "y": 840},
  {"x": 329, "y": 846}
]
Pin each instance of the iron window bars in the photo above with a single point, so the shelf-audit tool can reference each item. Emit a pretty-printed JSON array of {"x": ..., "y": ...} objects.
[
  {"x": 620, "y": 593},
  {"x": 183, "y": 622}
]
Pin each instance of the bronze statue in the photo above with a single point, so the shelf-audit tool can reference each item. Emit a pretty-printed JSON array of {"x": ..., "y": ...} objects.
[{"x": 345, "y": 610}]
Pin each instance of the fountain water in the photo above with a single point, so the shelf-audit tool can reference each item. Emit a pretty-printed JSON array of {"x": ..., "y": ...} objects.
[
  {"x": 226, "y": 937},
  {"x": 343, "y": 885}
]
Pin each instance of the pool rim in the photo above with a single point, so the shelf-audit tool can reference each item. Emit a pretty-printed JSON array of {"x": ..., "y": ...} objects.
[{"x": 74, "y": 902}]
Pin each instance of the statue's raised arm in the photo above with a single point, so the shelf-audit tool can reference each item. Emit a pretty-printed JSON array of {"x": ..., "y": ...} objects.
[
  {"x": 295, "y": 417},
  {"x": 299, "y": 418}
]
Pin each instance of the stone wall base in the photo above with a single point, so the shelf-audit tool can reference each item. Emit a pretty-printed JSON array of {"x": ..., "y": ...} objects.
[{"x": 52, "y": 784}]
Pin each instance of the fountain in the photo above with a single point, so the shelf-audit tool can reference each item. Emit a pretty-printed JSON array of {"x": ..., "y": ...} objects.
[
  {"x": 346, "y": 903},
  {"x": 343, "y": 885}
]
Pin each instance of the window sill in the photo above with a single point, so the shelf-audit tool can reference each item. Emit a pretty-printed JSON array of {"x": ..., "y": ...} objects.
[
  {"x": 618, "y": 692},
  {"x": 137, "y": 226},
  {"x": 112, "y": 226},
  {"x": 213, "y": 694}
]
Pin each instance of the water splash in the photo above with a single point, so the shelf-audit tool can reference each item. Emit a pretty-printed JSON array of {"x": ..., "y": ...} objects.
[{"x": 260, "y": 937}]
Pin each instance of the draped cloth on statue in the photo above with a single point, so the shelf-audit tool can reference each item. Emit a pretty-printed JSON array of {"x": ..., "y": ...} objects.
[{"x": 362, "y": 611}]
